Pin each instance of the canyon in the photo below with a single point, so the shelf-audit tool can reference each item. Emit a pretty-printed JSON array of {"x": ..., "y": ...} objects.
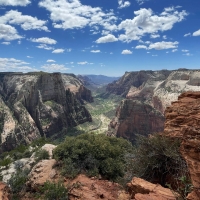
[
  {"x": 39, "y": 104},
  {"x": 147, "y": 94}
]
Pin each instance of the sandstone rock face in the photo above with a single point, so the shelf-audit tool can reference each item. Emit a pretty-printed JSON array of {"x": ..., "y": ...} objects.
[
  {"x": 4, "y": 192},
  {"x": 134, "y": 117},
  {"x": 92, "y": 189},
  {"x": 77, "y": 87},
  {"x": 183, "y": 121},
  {"x": 37, "y": 104},
  {"x": 144, "y": 190},
  {"x": 155, "y": 88},
  {"x": 41, "y": 172}
]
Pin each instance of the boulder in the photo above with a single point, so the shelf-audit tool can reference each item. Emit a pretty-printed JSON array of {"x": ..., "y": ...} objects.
[
  {"x": 43, "y": 171},
  {"x": 144, "y": 190}
]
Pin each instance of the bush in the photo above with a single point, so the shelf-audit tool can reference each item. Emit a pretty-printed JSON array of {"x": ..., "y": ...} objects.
[
  {"x": 18, "y": 180},
  {"x": 5, "y": 162},
  {"x": 41, "y": 154},
  {"x": 54, "y": 191},
  {"x": 93, "y": 154},
  {"x": 157, "y": 158}
]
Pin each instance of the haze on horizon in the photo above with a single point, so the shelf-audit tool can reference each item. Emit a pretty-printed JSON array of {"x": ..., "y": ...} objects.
[{"x": 99, "y": 37}]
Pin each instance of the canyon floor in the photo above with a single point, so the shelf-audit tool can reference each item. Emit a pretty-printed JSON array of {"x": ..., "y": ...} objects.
[{"x": 102, "y": 111}]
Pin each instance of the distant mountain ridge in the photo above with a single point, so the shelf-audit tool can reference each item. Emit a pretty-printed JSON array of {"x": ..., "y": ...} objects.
[{"x": 97, "y": 80}]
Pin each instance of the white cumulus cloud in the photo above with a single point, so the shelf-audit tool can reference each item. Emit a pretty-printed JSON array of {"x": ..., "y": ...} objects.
[
  {"x": 141, "y": 47},
  {"x": 154, "y": 36},
  {"x": 14, "y": 2},
  {"x": 12, "y": 64},
  {"x": 44, "y": 40},
  {"x": 51, "y": 60},
  {"x": 83, "y": 63},
  {"x": 95, "y": 51},
  {"x": 140, "y": 2},
  {"x": 196, "y": 33},
  {"x": 44, "y": 46},
  {"x": 107, "y": 38},
  {"x": 5, "y": 43},
  {"x": 123, "y": 4},
  {"x": 8, "y": 33},
  {"x": 58, "y": 51},
  {"x": 126, "y": 51},
  {"x": 26, "y": 22},
  {"x": 72, "y": 14},
  {"x": 163, "y": 45},
  {"x": 146, "y": 22},
  {"x": 187, "y": 34}
]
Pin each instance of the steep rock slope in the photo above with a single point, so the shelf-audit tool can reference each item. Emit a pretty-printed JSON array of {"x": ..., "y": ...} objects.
[
  {"x": 183, "y": 121},
  {"x": 135, "y": 117},
  {"x": 155, "y": 88},
  {"x": 37, "y": 104}
]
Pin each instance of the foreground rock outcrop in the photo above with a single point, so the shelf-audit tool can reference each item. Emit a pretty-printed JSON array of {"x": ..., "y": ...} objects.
[
  {"x": 183, "y": 121},
  {"x": 154, "y": 88},
  {"x": 39, "y": 104},
  {"x": 4, "y": 192},
  {"x": 43, "y": 171},
  {"x": 82, "y": 187},
  {"x": 144, "y": 190}
]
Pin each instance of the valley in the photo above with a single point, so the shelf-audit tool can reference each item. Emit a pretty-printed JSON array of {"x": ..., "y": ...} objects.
[
  {"x": 102, "y": 111},
  {"x": 59, "y": 124}
]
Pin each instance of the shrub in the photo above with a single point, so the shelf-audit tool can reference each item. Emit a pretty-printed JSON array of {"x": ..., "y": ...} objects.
[
  {"x": 157, "y": 158},
  {"x": 41, "y": 154},
  {"x": 18, "y": 180},
  {"x": 93, "y": 154},
  {"x": 55, "y": 191},
  {"x": 5, "y": 162}
]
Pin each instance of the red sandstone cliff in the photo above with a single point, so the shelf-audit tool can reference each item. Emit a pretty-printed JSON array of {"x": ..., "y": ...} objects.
[
  {"x": 134, "y": 117},
  {"x": 183, "y": 121}
]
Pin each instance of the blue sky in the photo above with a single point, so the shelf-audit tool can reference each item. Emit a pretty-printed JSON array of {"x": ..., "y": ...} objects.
[{"x": 105, "y": 37}]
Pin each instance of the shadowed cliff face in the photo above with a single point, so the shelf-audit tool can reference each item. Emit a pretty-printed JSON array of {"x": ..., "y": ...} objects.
[
  {"x": 37, "y": 104},
  {"x": 134, "y": 117},
  {"x": 154, "y": 88}
]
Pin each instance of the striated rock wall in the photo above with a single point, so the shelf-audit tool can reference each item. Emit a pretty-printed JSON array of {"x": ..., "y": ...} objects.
[
  {"x": 157, "y": 88},
  {"x": 183, "y": 121},
  {"x": 37, "y": 104},
  {"x": 154, "y": 88},
  {"x": 134, "y": 117}
]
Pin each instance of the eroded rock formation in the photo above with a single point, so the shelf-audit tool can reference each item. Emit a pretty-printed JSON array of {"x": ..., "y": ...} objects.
[
  {"x": 144, "y": 190},
  {"x": 134, "y": 117},
  {"x": 183, "y": 121},
  {"x": 37, "y": 104},
  {"x": 154, "y": 88}
]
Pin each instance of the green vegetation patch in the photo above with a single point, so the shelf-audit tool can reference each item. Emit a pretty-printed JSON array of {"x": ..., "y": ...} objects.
[
  {"x": 93, "y": 155},
  {"x": 158, "y": 159}
]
